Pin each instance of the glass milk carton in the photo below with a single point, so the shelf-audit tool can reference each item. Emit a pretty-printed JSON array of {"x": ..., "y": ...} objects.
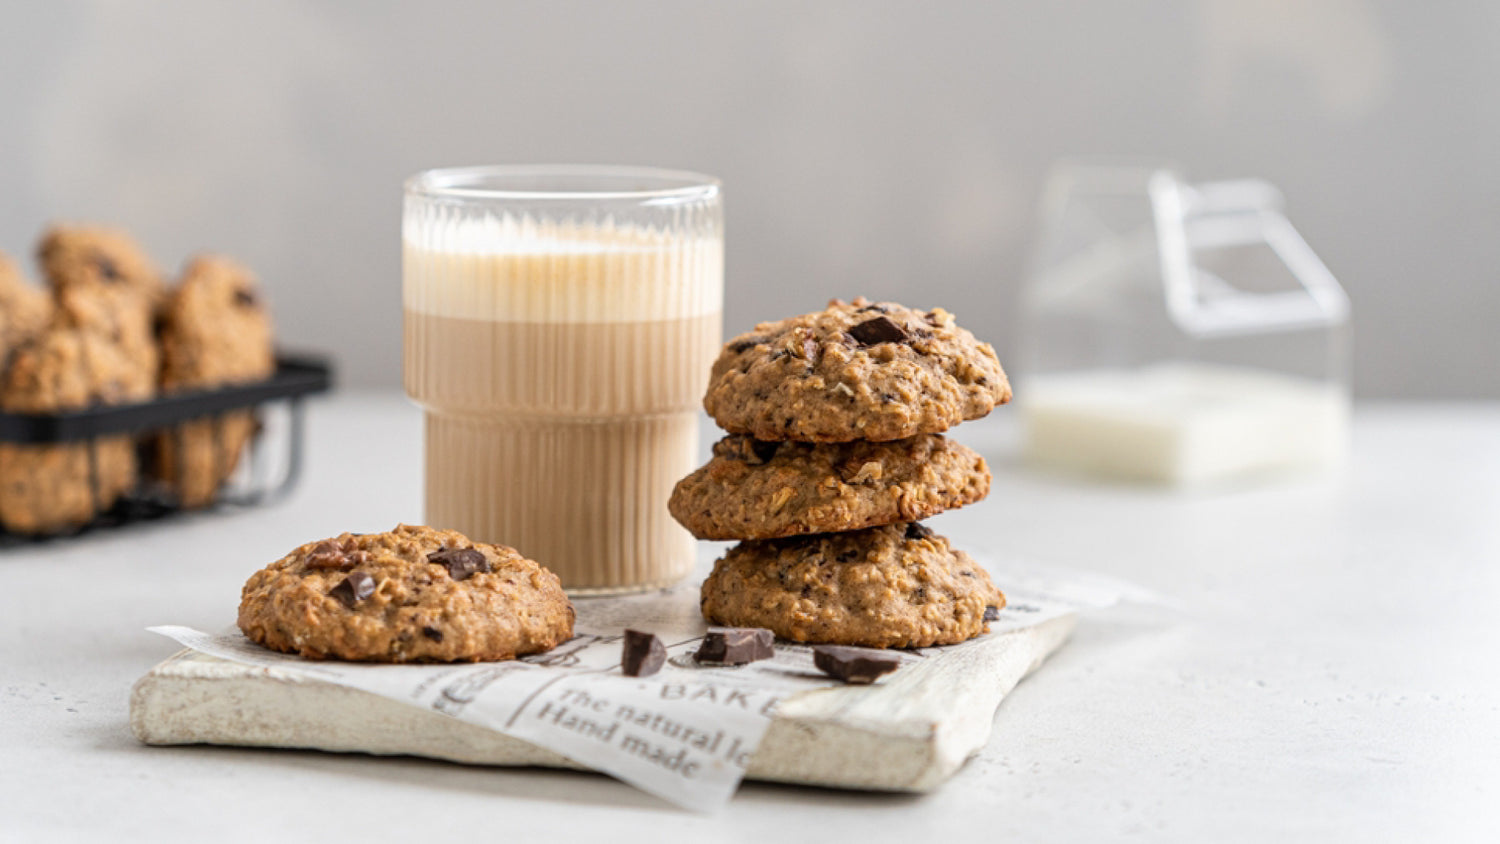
[{"x": 1179, "y": 333}]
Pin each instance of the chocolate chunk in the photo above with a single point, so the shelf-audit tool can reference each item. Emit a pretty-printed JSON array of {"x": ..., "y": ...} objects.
[
  {"x": 764, "y": 450},
  {"x": 879, "y": 309},
  {"x": 332, "y": 554},
  {"x": 991, "y": 614},
  {"x": 917, "y": 530},
  {"x": 245, "y": 298},
  {"x": 642, "y": 654},
  {"x": 353, "y": 589},
  {"x": 460, "y": 562},
  {"x": 745, "y": 343},
  {"x": 735, "y": 645},
  {"x": 878, "y": 330},
  {"x": 327, "y": 555},
  {"x": 433, "y": 633},
  {"x": 860, "y": 666}
]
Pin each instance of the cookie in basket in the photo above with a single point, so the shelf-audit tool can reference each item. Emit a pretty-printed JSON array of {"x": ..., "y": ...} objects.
[
  {"x": 24, "y": 309},
  {"x": 413, "y": 594},
  {"x": 215, "y": 331},
  {"x": 103, "y": 281},
  {"x": 854, "y": 371},
  {"x": 52, "y": 488},
  {"x": 753, "y": 489},
  {"x": 898, "y": 586}
]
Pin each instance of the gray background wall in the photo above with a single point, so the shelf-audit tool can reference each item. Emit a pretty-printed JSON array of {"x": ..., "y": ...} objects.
[{"x": 893, "y": 149}]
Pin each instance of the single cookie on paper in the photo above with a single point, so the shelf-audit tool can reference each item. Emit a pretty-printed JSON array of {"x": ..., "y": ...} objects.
[
  {"x": 897, "y": 586},
  {"x": 215, "y": 331},
  {"x": 52, "y": 488},
  {"x": 413, "y": 594},
  {"x": 103, "y": 281},
  {"x": 757, "y": 489},
  {"x": 855, "y": 371}
]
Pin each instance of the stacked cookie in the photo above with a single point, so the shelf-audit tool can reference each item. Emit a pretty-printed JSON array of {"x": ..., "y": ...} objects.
[
  {"x": 835, "y": 452},
  {"x": 108, "y": 331}
]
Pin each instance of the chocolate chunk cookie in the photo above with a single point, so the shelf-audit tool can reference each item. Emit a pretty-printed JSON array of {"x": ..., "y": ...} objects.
[
  {"x": 103, "y": 281},
  {"x": 215, "y": 331},
  {"x": 855, "y": 371},
  {"x": 50, "y": 488},
  {"x": 754, "y": 489},
  {"x": 898, "y": 586},
  {"x": 24, "y": 310},
  {"x": 415, "y": 594}
]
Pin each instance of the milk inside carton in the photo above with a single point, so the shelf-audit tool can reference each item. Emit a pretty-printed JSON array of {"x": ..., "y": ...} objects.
[{"x": 1179, "y": 333}]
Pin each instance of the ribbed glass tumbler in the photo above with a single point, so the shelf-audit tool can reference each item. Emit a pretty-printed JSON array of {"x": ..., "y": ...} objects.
[{"x": 560, "y": 324}]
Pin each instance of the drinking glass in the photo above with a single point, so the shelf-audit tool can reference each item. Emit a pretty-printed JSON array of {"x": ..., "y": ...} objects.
[{"x": 559, "y": 327}]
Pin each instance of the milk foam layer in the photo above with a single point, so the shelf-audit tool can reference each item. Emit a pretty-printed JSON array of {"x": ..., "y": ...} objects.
[{"x": 509, "y": 270}]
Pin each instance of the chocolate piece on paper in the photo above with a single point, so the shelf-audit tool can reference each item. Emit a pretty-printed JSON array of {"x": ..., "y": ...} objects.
[
  {"x": 991, "y": 614},
  {"x": 461, "y": 563},
  {"x": 878, "y": 330},
  {"x": 735, "y": 645},
  {"x": 642, "y": 654},
  {"x": 859, "y": 666},
  {"x": 353, "y": 589}
]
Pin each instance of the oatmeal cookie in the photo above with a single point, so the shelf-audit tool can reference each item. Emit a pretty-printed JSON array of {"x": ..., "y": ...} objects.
[
  {"x": 897, "y": 586},
  {"x": 24, "y": 310},
  {"x": 102, "y": 281},
  {"x": 215, "y": 332},
  {"x": 414, "y": 594},
  {"x": 51, "y": 488},
  {"x": 856, "y": 371},
  {"x": 101, "y": 259},
  {"x": 753, "y": 489}
]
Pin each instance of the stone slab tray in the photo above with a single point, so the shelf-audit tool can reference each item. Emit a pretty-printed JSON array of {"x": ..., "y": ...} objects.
[{"x": 910, "y": 732}]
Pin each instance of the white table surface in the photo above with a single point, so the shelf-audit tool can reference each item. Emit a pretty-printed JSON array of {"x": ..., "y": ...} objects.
[{"x": 1332, "y": 676}]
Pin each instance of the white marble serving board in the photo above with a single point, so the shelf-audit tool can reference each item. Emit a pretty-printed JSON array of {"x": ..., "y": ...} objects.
[{"x": 910, "y": 732}]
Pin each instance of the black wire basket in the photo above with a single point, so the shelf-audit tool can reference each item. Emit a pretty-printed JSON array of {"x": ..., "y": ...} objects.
[{"x": 157, "y": 423}]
